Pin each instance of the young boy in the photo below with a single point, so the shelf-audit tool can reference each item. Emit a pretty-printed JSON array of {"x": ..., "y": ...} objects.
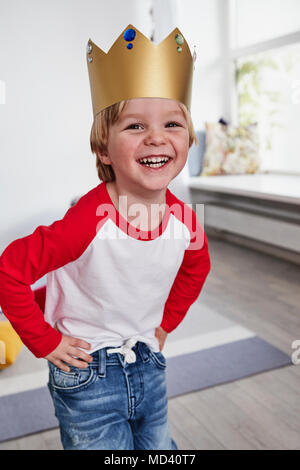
[{"x": 117, "y": 284}]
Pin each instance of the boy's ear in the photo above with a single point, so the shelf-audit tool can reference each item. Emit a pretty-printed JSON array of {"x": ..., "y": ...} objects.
[{"x": 103, "y": 158}]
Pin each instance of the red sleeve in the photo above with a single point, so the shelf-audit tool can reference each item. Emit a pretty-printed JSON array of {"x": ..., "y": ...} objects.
[
  {"x": 27, "y": 259},
  {"x": 188, "y": 283},
  {"x": 40, "y": 297}
]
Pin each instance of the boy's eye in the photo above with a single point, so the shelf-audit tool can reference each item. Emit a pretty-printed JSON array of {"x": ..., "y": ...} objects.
[
  {"x": 173, "y": 123},
  {"x": 136, "y": 124},
  {"x": 131, "y": 125}
]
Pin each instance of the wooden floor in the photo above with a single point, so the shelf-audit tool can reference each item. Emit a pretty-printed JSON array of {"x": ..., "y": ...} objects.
[{"x": 261, "y": 293}]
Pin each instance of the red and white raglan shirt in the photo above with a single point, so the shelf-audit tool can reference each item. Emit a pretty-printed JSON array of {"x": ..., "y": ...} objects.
[{"x": 107, "y": 281}]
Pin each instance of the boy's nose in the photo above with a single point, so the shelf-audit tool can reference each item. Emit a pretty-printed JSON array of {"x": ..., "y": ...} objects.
[{"x": 155, "y": 136}]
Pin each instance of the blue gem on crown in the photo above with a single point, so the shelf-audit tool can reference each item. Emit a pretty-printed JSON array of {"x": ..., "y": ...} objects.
[{"x": 129, "y": 34}]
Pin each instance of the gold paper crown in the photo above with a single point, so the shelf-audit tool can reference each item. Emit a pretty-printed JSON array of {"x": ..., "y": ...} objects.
[{"x": 135, "y": 67}]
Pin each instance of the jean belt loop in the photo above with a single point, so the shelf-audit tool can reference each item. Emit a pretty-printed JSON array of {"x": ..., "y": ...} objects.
[
  {"x": 144, "y": 351},
  {"x": 102, "y": 362}
]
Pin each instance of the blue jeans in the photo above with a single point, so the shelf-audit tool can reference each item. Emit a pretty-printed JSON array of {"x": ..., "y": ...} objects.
[{"x": 113, "y": 404}]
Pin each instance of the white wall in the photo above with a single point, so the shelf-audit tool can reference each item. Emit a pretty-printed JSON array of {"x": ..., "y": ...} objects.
[{"x": 45, "y": 122}]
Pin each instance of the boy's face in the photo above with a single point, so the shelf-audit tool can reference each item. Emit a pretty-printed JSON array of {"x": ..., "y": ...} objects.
[{"x": 148, "y": 127}]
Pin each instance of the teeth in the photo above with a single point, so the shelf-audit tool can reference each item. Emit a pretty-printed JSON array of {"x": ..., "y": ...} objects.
[
  {"x": 155, "y": 165},
  {"x": 154, "y": 159}
]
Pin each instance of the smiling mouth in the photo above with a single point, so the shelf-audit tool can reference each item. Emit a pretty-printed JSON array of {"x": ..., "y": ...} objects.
[{"x": 154, "y": 162}]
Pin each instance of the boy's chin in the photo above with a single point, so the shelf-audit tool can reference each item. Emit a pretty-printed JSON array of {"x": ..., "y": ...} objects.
[
  {"x": 156, "y": 185},
  {"x": 158, "y": 182}
]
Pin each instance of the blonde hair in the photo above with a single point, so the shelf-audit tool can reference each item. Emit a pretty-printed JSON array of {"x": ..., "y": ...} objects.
[{"x": 100, "y": 130}]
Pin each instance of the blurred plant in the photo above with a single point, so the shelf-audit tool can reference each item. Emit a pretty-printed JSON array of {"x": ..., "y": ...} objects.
[{"x": 256, "y": 102}]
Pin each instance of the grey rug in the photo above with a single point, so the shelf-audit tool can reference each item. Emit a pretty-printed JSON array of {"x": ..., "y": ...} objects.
[{"x": 32, "y": 411}]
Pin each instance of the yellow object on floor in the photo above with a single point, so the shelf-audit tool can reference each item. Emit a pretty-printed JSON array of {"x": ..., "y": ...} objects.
[{"x": 10, "y": 344}]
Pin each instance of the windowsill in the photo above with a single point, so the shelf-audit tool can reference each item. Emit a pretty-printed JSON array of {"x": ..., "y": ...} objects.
[{"x": 270, "y": 186}]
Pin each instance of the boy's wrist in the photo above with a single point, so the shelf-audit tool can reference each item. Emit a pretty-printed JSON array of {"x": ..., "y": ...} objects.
[
  {"x": 48, "y": 345},
  {"x": 164, "y": 331},
  {"x": 163, "y": 327}
]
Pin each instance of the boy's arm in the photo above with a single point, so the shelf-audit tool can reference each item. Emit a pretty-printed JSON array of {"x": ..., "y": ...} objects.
[
  {"x": 26, "y": 260},
  {"x": 187, "y": 285}
]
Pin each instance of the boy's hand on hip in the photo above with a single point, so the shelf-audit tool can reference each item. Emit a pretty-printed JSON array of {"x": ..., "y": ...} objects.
[
  {"x": 161, "y": 336},
  {"x": 67, "y": 348}
]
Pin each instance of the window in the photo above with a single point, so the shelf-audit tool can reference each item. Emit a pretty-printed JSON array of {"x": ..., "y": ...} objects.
[{"x": 266, "y": 62}]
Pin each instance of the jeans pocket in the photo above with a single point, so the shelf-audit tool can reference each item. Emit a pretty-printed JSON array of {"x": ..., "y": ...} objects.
[
  {"x": 159, "y": 359},
  {"x": 74, "y": 381}
]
